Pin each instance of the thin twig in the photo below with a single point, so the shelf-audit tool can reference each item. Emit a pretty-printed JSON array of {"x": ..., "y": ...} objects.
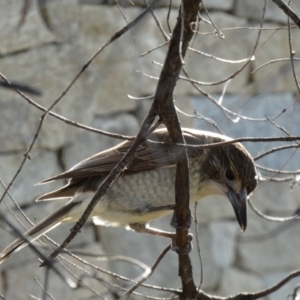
[
  {"x": 168, "y": 16},
  {"x": 45, "y": 292},
  {"x": 276, "y": 286},
  {"x": 181, "y": 33},
  {"x": 234, "y": 141},
  {"x": 17, "y": 206},
  {"x": 229, "y": 61},
  {"x": 274, "y": 150},
  {"x": 292, "y": 54},
  {"x": 150, "y": 271},
  {"x": 296, "y": 172},
  {"x": 270, "y": 218},
  {"x": 274, "y": 61},
  {"x": 154, "y": 48},
  {"x": 198, "y": 246},
  {"x": 79, "y": 281},
  {"x": 268, "y": 235},
  {"x": 40, "y": 254},
  {"x": 68, "y": 121},
  {"x": 164, "y": 34},
  {"x": 114, "y": 275},
  {"x": 197, "y": 115},
  {"x": 243, "y": 28},
  {"x": 217, "y": 31}
]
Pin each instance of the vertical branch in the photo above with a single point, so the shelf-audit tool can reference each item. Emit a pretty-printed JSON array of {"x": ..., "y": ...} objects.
[{"x": 163, "y": 105}]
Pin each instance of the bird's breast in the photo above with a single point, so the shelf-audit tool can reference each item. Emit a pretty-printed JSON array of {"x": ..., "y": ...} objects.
[{"x": 142, "y": 192}]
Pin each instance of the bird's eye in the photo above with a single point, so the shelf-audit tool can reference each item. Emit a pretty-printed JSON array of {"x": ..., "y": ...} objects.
[{"x": 229, "y": 174}]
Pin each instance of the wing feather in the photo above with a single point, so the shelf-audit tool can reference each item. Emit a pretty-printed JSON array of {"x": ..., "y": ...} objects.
[
  {"x": 149, "y": 156},
  {"x": 156, "y": 152}
]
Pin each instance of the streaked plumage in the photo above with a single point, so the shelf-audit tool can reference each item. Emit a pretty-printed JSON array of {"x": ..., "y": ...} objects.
[{"x": 146, "y": 191}]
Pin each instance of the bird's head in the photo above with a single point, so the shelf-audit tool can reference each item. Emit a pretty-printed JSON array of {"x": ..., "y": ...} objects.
[{"x": 231, "y": 172}]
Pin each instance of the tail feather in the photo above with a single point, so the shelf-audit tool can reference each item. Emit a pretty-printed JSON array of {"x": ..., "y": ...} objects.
[
  {"x": 39, "y": 229},
  {"x": 67, "y": 191}
]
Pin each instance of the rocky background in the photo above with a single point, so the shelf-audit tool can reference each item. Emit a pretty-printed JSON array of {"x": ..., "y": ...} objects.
[{"x": 46, "y": 51}]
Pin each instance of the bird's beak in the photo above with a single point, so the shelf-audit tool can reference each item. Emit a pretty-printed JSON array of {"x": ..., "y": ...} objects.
[{"x": 239, "y": 203}]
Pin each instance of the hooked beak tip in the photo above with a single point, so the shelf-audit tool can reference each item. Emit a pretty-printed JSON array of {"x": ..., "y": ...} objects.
[{"x": 239, "y": 204}]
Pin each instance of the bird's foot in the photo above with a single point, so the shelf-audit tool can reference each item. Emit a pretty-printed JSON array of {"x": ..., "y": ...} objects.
[
  {"x": 186, "y": 248},
  {"x": 187, "y": 224},
  {"x": 142, "y": 228}
]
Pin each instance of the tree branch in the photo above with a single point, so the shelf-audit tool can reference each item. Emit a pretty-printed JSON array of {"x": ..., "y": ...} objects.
[
  {"x": 163, "y": 105},
  {"x": 288, "y": 11}
]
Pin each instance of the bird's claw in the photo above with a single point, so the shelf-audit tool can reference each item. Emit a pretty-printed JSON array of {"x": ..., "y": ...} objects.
[
  {"x": 186, "y": 248},
  {"x": 187, "y": 224}
]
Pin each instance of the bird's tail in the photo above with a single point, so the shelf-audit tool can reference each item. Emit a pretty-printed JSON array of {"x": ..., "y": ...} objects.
[{"x": 45, "y": 225}]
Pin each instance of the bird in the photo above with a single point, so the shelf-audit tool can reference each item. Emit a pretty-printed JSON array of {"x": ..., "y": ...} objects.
[{"x": 145, "y": 191}]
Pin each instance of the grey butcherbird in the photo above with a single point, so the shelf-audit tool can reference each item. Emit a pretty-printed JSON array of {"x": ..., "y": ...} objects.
[{"x": 146, "y": 190}]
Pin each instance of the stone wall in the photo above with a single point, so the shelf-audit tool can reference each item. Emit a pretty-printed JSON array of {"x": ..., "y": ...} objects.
[{"x": 51, "y": 46}]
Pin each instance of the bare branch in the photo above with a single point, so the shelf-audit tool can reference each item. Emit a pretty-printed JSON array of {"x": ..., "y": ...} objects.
[
  {"x": 198, "y": 247},
  {"x": 288, "y": 11},
  {"x": 273, "y": 219},
  {"x": 67, "y": 121},
  {"x": 40, "y": 254},
  {"x": 145, "y": 276},
  {"x": 273, "y": 150}
]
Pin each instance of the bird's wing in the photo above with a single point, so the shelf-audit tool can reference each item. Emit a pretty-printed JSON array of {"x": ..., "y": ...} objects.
[
  {"x": 150, "y": 155},
  {"x": 156, "y": 152}
]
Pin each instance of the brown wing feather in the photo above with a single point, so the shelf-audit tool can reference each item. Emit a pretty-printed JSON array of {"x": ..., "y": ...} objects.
[{"x": 149, "y": 156}]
